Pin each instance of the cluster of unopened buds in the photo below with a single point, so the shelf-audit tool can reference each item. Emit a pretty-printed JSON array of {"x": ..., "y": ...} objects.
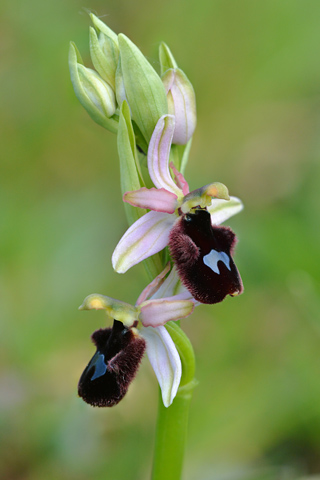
[{"x": 154, "y": 117}]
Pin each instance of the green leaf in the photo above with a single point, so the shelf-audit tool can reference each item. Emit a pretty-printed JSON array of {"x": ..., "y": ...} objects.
[
  {"x": 129, "y": 176},
  {"x": 185, "y": 350}
]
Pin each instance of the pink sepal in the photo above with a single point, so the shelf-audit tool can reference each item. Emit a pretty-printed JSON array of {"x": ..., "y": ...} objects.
[
  {"x": 160, "y": 311},
  {"x": 159, "y": 200}
]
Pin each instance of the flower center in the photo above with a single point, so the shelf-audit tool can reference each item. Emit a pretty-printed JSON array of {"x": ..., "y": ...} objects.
[{"x": 202, "y": 197}]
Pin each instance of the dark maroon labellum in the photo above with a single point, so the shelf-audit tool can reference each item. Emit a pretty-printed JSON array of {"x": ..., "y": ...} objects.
[
  {"x": 202, "y": 255},
  {"x": 109, "y": 373}
]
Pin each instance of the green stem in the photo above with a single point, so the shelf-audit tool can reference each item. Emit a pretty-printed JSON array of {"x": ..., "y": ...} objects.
[
  {"x": 172, "y": 422},
  {"x": 171, "y": 434}
]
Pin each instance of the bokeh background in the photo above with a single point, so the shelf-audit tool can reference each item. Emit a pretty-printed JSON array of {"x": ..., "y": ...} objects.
[{"x": 256, "y": 411}]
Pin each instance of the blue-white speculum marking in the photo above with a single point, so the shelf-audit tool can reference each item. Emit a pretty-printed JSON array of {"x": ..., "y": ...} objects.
[
  {"x": 203, "y": 257},
  {"x": 212, "y": 259},
  {"x": 99, "y": 364}
]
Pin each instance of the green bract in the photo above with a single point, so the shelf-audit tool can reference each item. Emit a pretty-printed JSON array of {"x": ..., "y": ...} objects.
[{"x": 166, "y": 58}]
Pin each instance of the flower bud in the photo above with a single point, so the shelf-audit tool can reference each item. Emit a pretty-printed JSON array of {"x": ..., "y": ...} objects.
[
  {"x": 120, "y": 89},
  {"x": 144, "y": 90},
  {"x": 104, "y": 55},
  {"x": 98, "y": 91},
  {"x": 103, "y": 28},
  {"x": 94, "y": 94},
  {"x": 181, "y": 103}
]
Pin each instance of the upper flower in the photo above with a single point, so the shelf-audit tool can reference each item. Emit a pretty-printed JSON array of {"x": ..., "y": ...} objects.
[{"x": 170, "y": 205}]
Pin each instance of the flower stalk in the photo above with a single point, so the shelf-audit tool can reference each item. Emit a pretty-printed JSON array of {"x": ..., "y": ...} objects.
[
  {"x": 175, "y": 232},
  {"x": 171, "y": 435},
  {"x": 172, "y": 422}
]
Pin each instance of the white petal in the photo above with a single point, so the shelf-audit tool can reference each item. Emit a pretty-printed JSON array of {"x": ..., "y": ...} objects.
[
  {"x": 158, "y": 154},
  {"x": 181, "y": 103},
  {"x": 222, "y": 210},
  {"x": 144, "y": 238},
  {"x": 165, "y": 361}
]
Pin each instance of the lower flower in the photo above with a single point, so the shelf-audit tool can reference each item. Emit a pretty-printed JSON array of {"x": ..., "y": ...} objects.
[{"x": 136, "y": 329}]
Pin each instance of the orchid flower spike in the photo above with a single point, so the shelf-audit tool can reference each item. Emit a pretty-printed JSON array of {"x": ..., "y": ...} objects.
[
  {"x": 186, "y": 221},
  {"x": 135, "y": 329}
]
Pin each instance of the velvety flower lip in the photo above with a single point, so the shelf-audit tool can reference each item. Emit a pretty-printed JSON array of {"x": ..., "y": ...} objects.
[
  {"x": 166, "y": 202},
  {"x": 142, "y": 324},
  {"x": 106, "y": 379},
  {"x": 203, "y": 257}
]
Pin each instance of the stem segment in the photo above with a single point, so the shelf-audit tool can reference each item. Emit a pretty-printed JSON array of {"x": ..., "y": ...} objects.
[
  {"x": 171, "y": 434},
  {"x": 172, "y": 422}
]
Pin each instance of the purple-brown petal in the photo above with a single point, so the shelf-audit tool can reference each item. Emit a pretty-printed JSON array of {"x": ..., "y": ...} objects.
[
  {"x": 202, "y": 255},
  {"x": 109, "y": 373}
]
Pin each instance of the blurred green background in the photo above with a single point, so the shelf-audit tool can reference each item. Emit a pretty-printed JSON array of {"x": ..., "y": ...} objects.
[{"x": 256, "y": 411}]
